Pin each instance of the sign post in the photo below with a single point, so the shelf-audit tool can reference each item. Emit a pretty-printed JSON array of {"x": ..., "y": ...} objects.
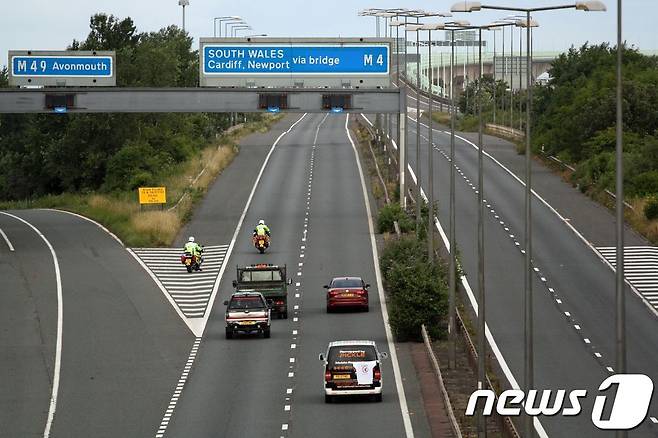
[
  {"x": 64, "y": 68},
  {"x": 295, "y": 62}
]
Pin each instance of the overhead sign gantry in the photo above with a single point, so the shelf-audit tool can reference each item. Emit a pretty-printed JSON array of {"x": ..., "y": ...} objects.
[{"x": 295, "y": 62}]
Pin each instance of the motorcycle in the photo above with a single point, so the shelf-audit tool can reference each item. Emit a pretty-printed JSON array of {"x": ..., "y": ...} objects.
[
  {"x": 261, "y": 243},
  {"x": 191, "y": 262}
]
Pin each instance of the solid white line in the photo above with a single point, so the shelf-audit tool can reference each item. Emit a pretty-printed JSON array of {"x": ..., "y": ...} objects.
[
  {"x": 539, "y": 428},
  {"x": 229, "y": 251},
  {"x": 11, "y": 248},
  {"x": 562, "y": 218},
  {"x": 191, "y": 324},
  {"x": 382, "y": 299},
  {"x": 60, "y": 316}
]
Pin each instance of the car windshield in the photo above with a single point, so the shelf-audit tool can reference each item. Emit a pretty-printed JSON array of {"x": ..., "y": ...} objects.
[
  {"x": 346, "y": 282},
  {"x": 248, "y": 276},
  {"x": 348, "y": 354},
  {"x": 246, "y": 303}
]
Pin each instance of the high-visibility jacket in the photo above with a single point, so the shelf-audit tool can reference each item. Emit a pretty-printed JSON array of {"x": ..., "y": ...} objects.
[
  {"x": 262, "y": 230},
  {"x": 193, "y": 248}
]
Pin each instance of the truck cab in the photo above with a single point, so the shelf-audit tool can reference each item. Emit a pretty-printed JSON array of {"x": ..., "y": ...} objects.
[{"x": 268, "y": 279}]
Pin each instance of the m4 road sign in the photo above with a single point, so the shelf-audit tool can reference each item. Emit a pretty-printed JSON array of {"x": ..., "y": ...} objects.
[{"x": 295, "y": 62}]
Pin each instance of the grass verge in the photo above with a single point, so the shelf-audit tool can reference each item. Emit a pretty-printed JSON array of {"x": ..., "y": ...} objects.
[{"x": 121, "y": 213}]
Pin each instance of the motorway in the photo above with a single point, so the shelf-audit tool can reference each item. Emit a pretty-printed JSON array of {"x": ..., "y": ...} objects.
[
  {"x": 125, "y": 348},
  {"x": 132, "y": 364},
  {"x": 310, "y": 196},
  {"x": 574, "y": 288}
]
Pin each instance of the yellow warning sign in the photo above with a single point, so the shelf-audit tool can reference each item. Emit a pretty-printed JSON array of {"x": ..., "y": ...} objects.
[{"x": 152, "y": 195}]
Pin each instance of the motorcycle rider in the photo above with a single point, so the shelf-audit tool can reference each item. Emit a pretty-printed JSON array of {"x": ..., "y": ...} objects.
[
  {"x": 195, "y": 249},
  {"x": 262, "y": 229}
]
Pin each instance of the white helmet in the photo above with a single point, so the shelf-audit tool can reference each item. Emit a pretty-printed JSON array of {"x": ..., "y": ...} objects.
[
  {"x": 191, "y": 239},
  {"x": 261, "y": 222}
]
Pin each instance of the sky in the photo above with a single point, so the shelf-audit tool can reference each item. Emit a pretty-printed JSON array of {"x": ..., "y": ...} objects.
[{"x": 52, "y": 25}]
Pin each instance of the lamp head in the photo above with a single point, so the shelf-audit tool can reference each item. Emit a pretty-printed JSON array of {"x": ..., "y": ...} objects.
[
  {"x": 591, "y": 6},
  {"x": 466, "y": 6}
]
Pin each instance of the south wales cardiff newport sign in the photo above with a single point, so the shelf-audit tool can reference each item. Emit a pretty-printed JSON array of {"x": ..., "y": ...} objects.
[{"x": 296, "y": 62}]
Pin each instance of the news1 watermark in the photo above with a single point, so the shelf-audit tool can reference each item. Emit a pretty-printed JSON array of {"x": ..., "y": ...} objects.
[{"x": 629, "y": 408}]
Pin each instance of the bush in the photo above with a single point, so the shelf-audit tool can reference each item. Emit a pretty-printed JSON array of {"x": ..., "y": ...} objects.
[
  {"x": 417, "y": 290},
  {"x": 651, "y": 209},
  {"x": 391, "y": 213}
]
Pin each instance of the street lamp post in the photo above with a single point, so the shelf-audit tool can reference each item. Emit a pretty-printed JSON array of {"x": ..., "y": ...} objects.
[
  {"x": 183, "y": 3},
  {"x": 620, "y": 315},
  {"x": 470, "y": 6}
]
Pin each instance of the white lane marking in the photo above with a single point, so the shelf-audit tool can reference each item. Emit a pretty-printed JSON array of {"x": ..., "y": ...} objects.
[
  {"x": 195, "y": 325},
  {"x": 382, "y": 299},
  {"x": 539, "y": 428},
  {"x": 587, "y": 341},
  {"x": 60, "y": 323},
  {"x": 289, "y": 391},
  {"x": 242, "y": 217},
  {"x": 562, "y": 218},
  {"x": 99, "y": 225},
  {"x": 284, "y": 427},
  {"x": 286, "y": 408},
  {"x": 166, "y": 418},
  {"x": 11, "y": 248},
  {"x": 610, "y": 369},
  {"x": 654, "y": 420},
  {"x": 597, "y": 354}
]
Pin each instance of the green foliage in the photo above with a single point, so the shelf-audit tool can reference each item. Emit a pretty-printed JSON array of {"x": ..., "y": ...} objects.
[
  {"x": 574, "y": 117},
  {"x": 4, "y": 77},
  {"x": 417, "y": 289},
  {"x": 651, "y": 209},
  {"x": 52, "y": 154},
  {"x": 391, "y": 213}
]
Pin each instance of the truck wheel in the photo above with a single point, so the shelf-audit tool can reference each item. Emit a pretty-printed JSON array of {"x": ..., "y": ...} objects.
[
  {"x": 229, "y": 333},
  {"x": 189, "y": 269},
  {"x": 284, "y": 315},
  {"x": 262, "y": 250},
  {"x": 266, "y": 333},
  {"x": 328, "y": 398},
  {"x": 378, "y": 398}
]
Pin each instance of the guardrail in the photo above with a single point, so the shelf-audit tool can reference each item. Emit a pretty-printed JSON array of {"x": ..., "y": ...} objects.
[
  {"x": 505, "y": 423},
  {"x": 506, "y": 131},
  {"x": 437, "y": 370},
  {"x": 373, "y": 137},
  {"x": 564, "y": 165}
]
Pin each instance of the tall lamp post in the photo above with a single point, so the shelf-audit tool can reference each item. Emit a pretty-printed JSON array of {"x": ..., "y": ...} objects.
[
  {"x": 620, "y": 318},
  {"x": 471, "y": 6},
  {"x": 183, "y": 3}
]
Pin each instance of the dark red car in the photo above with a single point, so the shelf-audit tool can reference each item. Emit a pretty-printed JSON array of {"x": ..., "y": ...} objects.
[{"x": 345, "y": 292}]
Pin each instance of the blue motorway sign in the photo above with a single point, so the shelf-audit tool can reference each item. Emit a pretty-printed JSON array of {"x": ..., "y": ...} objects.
[
  {"x": 296, "y": 59},
  {"x": 62, "y": 68}
]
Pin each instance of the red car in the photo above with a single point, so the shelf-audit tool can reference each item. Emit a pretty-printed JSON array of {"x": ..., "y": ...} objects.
[{"x": 347, "y": 292}]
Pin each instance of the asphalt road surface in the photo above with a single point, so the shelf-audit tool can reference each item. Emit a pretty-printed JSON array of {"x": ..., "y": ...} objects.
[
  {"x": 310, "y": 195},
  {"x": 573, "y": 288},
  {"x": 122, "y": 346}
]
